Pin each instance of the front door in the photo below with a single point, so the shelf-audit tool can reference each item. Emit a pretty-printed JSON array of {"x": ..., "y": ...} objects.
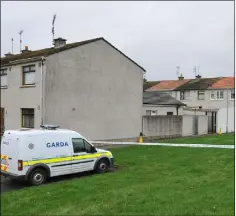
[
  {"x": 83, "y": 159},
  {"x": 2, "y": 121}
]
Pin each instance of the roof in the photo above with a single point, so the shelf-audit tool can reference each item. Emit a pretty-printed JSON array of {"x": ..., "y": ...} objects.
[
  {"x": 167, "y": 85},
  {"x": 40, "y": 131},
  {"x": 157, "y": 98},
  {"x": 149, "y": 84},
  {"x": 198, "y": 84},
  {"x": 52, "y": 50},
  {"x": 225, "y": 82}
]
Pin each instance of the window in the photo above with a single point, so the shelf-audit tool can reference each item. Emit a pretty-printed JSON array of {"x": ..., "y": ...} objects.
[
  {"x": 27, "y": 118},
  {"x": 212, "y": 95},
  {"x": 169, "y": 113},
  {"x": 184, "y": 95},
  {"x": 201, "y": 95},
  {"x": 28, "y": 77},
  {"x": 151, "y": 112},
  {"x": 80, "y": 145},
  {"x": 232, "y": 95},
  {"x": 3, "y": 77},
  {"x": 217, "y": 95}
]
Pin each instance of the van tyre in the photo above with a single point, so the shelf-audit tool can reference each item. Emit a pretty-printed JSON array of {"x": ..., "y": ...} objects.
[
  {"x": 102, "y": 166},
  {"x": 37, "y": 177}
]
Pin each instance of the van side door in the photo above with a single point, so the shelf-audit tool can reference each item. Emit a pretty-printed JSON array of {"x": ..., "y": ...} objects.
[{"x": 82, "y": 159}]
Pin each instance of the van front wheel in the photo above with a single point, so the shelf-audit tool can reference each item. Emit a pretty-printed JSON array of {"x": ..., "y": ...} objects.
[
  {"x": 102, "y": 166},
  {"x": 37, "y": 177}
]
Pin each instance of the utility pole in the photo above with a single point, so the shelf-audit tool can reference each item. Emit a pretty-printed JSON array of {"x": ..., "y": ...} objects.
[{"x": 12, "y": 45}]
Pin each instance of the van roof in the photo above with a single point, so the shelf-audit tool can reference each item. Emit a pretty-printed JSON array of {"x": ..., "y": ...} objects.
[{"x": 25, "y": 131}]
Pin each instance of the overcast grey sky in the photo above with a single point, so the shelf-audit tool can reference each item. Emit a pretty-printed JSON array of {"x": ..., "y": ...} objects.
[{"x": 157, "y": 35}]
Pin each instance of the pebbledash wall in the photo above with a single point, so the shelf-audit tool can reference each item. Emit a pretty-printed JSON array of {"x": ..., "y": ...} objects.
[
  {"x": 222, "y": 119},
  {"x": 173, "y": 126},
  {"x": 94, "y": 90}
]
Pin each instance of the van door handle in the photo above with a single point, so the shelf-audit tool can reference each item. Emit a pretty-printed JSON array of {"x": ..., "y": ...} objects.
[{"x": 10, "y": 158}]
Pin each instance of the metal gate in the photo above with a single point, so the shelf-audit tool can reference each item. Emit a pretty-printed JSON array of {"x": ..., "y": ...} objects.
[
  {"x": 195, "y": 125},
  {"x": 212, "y": 122}
]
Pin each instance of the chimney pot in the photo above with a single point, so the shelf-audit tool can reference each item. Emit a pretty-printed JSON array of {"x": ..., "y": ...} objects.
[
  {"x": 198, "y": 76},
  {"x": 8, "y": 54},
  {"x": 59, "y": 42},
  {"x": 26, "y": 50},
  {"x": 181, "y": 77}
]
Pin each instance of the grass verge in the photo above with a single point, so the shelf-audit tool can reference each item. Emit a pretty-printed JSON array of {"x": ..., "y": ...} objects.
[
  {"x": 223, "y": 139},
  {"x": 151, "y": 181}
]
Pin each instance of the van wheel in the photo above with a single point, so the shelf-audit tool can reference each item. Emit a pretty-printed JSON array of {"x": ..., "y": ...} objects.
[
  {"x": 102, "y": 166},
  {"x": 37, "y": 177}
]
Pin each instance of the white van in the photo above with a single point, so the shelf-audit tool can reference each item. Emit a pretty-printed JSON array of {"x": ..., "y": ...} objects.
[{"x": 36, "y": 155}]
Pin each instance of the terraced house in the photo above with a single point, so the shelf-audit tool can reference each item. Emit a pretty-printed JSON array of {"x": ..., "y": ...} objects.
[
  {"x": 83, "y": 86},
  {"x": 211, "y": 96}
]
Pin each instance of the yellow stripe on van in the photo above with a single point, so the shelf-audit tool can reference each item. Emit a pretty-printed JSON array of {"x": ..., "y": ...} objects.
[{"x": 58, "y": 160}]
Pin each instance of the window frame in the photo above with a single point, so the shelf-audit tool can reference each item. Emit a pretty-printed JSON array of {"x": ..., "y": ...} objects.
[
  {"x": 199, "y": 93},
  {"x": 232, "y": 92},
  {"x": 3, "y": 73},
  {"x": 183, "y": 93},
  {"x": 24, "y": 114},
  {"x": 85, "y": 143},
  {"x": 27, "y": 72},
  {"x": 150, "y": 112},
  {"x": 216, "y": 94}
]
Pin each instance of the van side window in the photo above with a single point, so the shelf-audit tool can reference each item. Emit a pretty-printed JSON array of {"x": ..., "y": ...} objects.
[
  {"x": 87, "y": 146},
  {"x": 80, "y": 145}
]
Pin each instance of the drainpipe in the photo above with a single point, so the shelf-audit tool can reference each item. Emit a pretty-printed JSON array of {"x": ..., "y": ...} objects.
[
  {"x": 177, "y": 110},
  {"x": 42, "y": 102},
  {"x": 227, "y": 110}
]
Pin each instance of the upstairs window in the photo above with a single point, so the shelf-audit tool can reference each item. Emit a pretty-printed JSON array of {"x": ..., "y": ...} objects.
[
  {"x": 3, "y": 78},
  {"x": 184, "y": 95},
  {"x": 217, "y": 95},
  {"x": 232, "y": 94},
  {"x": 201, "y": 95},
  {"x": 28, "y": 76}
]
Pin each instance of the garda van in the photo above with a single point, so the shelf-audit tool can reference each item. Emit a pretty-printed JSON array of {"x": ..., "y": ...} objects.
[{"x": 36, "y": 155}]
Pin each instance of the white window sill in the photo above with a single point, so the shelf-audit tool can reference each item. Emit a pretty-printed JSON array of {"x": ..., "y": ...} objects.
[
  {"x": 27, "y": 86},
  {"x": 217, "y": 99}
]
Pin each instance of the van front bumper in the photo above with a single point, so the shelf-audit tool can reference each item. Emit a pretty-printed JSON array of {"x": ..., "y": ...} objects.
[{"x": 12, "y": 176}]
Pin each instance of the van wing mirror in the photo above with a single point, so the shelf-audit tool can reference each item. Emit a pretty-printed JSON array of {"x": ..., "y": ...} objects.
[{"x": 93, "y": 149}]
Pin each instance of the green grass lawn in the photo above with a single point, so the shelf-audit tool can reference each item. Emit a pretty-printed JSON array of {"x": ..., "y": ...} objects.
[
  {"x": 223, "y": 139},
  {"x": 151, "y": 181}
]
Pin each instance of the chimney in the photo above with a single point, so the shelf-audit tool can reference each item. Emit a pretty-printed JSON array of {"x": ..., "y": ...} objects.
[
  {"x": 59, "y": 42},
  {"x": 8, "y": 54},
  {"x": 198, "y": 77},
  {"x": 181, "y": 77},
  {"x": 26, "y": 50}
]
